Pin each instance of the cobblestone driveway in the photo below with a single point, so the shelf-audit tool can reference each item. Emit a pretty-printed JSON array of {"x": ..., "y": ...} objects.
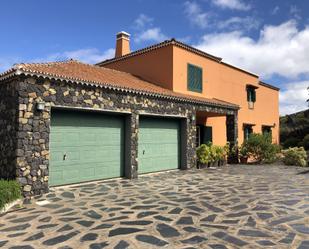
[{"x": 231, "y": 207}]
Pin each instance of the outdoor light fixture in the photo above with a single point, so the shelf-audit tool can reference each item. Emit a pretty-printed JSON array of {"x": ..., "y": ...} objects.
[{"x": 40, "y": 106}]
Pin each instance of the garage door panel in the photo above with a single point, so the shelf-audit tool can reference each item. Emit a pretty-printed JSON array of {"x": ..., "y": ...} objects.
[
  {"x": 93, "y": 144},
  {"x": 158, "y": 144}
]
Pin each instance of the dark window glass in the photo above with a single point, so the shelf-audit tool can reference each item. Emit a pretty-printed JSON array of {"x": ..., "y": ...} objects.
[
  {"x": 266, "y": 130},
  {"x": 251, "y": 94},
  {"x": 247, "y": 131},
  {"x": 195, "y": 78}
]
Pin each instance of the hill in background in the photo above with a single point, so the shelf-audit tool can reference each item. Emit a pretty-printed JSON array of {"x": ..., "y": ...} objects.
[{"x": 294, "y": 130}]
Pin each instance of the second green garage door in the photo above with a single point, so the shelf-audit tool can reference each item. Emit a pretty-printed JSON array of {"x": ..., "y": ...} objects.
[
  {"x": 159, "y": 144},
  {"x": 85, "y": 146}
]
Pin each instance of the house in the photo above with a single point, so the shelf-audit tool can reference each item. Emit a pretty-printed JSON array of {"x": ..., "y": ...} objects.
[{"x": 144, "y": 111}]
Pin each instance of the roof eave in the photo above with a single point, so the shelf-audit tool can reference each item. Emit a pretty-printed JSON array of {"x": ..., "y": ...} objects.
[
  {"x": 171, "y": 42},
  {"x": 17, "y": 72},
  {"x": 269, "y": 86}
]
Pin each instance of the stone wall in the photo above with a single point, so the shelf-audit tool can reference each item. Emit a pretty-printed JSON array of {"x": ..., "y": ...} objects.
[
  {"x": 8, "y": 123},
  {"x": 32, "y": 154}
]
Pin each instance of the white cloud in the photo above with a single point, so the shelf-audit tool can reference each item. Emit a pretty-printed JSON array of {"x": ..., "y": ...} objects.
[
  {"x": 142, "y": 21},
  {"x": 6, "y": 62},
  {"x": 293, "y": 97},
  {"x": 196, "y": 15},
  {"x": 239, "y": 23},
  {"x": 281, "y": 50},
  {"x": 232, "y": 4},
  {"x": 152, "y": 34},
  {"x": 88, "y": 55},
  {"x": 295, "y": 12},
  {"x": 275, "y": 10}
]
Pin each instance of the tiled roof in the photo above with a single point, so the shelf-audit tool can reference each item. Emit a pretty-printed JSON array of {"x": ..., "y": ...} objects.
[
  {"x": 77, "y": 72},
  {"x": 178, "y": 44},
  {"x": 160, "y": 45}
]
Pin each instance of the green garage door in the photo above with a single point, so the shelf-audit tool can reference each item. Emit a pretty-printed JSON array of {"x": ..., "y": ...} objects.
[
  {"x": 85, "y": 146},
  {"x": 159, "y": 144}
]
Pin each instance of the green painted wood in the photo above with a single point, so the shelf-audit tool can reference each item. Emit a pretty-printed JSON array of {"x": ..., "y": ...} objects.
[
  {"x": 207, "y": 136},
  {"x": 85, "y": 146},
  {"x": 195, "y": 78},
  {"x": 158, "y": 144}
]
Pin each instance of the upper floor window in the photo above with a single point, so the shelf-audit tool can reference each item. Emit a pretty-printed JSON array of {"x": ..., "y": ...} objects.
[
  {"x": 251, "y": 96},
  {"x": 195, "y": 78}
]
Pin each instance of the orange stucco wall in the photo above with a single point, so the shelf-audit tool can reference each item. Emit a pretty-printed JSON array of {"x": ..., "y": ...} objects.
[
  {"x": 167, "y": 67},
  {"x": 229, "y": 84},
  {"x": 155, "y": 66}
]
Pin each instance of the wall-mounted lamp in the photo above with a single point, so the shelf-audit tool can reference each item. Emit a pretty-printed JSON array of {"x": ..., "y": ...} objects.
[{"x": 40, "y": 106}]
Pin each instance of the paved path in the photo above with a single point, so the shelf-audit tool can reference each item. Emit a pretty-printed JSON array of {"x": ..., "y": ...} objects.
[{"x": 232, "y": 207}]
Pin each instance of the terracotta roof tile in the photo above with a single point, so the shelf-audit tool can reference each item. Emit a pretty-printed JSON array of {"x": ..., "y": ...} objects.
[{"x": 90, "y": 74}]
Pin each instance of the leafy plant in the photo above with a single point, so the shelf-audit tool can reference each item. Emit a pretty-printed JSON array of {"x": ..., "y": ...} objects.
[
  {"x": 260, "y": 148},
  {"x": 295, "y": 156},
  {"x": 209, "y": 153},
  {"x": 243, "y": 150},
  {"x": 204, "y": 154},
  {"x": 9, "y": 191},
  {"x": 219, "y": 153},
  {"x": 306, "y": 142},
  {"x": 226, "y": 149},
  {"x": 233, "y": 154},
  {"x": 291, "y": 142}
]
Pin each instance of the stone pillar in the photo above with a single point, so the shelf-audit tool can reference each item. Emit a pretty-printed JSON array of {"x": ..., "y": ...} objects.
[
  {"x": 232, "y": 134},
  {"x": 32, "y": 142},
  {"x": 190, "y": 141},
  {"x": 131, "y": 146},
  {"x": 232, "y": 128}
]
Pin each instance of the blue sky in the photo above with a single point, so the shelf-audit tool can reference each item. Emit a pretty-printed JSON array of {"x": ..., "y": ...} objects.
[{"x": 270, "y": 38}]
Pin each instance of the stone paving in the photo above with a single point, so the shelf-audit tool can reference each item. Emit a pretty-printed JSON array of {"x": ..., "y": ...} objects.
[{"x": 230, "y": 207}]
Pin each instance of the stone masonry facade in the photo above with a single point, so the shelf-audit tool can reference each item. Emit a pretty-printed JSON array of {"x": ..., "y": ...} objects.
[
  {"x": 8, "y": 129},
  {"x": 24, "y": 131}
]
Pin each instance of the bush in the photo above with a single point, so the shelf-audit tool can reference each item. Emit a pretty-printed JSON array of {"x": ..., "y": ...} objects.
[
  {"x": 306, "y": 142},
  {"x": 260, "y": 148},
  {"x": 291, "y": 142},
  {"x": 211, "y": 153},
  {"x": 219, "y": 153},
  {"x": 204, "y": 155},
  {"x": 295, "y": 156},
  {"x": 9, "y": 191}
]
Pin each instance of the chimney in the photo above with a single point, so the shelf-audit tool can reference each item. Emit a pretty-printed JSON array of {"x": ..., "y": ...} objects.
[{"x": 122, "y": 44}]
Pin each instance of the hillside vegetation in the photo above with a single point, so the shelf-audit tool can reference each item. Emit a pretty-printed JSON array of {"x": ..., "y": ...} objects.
[{"x": 294, "y": 130}]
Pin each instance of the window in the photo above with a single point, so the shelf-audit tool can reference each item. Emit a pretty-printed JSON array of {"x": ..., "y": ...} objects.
[
  {"x": 247, "y": 131},
  {"x": 203, "y": 135},
  {"x": 266, "y": 130},
  {"x": 251, "y": 96},
  {"x": 195, "y": 78}
]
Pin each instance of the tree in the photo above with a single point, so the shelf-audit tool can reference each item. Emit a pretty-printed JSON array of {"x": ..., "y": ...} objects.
[{"x": 308, "y": 94}]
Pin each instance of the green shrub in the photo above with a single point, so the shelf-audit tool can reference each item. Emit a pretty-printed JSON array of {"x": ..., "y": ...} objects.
[
  {"x": 219, "y": 153},
  {"x": 295, "y": 156},
  {"x": 260, "y": 148},
  {"x": 291, "y": 142},
  {"x": 204, "y": 155},
  {"x": 243, "y": 150},
  {"x": 210, "y": 153},
  {"x": 306, "y": 142},
  {"x": 9, "y": 191}
]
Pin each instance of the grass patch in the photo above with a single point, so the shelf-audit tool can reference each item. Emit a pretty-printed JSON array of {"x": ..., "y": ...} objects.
[{"x": 9, "y": 191}]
